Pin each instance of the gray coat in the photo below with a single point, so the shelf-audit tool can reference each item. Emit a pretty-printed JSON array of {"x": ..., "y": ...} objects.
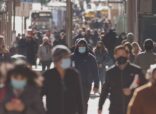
[
  {"x": 145, "y": 59},
  {"x": 45, "y": 53},
  {"x": 31, "y": 99}
]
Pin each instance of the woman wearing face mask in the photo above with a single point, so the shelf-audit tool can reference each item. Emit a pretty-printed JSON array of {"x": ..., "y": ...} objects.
[
  {"x": 144, "y": 98},
  {"x": 62, "y": 86},
  {"x": 23, "y": 96},
  {"x": 102, "y": 57}
]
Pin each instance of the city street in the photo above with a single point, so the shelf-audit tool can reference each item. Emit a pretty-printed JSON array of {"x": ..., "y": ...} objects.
[{"x": 86, "y": 44}]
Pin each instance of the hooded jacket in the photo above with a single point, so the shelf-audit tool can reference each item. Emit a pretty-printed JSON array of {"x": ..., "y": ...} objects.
[{"x": 86, "y": 65}]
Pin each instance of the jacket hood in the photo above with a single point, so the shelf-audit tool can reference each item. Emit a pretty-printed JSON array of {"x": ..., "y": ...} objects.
[{"x": 82, "y": 40}]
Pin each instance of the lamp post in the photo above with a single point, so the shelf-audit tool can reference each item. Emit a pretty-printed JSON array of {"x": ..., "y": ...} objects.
[
  {"x": 69, "y": 23},
  {"x": 14, "y": 14}
]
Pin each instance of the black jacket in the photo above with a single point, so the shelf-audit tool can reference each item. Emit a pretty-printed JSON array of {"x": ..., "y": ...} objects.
[
  {"x": 86, "y": 65},
  {"x": 116, "y": 81},
  {"x": 63, "y": 96}
]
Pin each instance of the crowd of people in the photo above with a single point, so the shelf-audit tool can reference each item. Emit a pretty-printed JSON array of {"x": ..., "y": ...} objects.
[{"x": 116, "y": 64}]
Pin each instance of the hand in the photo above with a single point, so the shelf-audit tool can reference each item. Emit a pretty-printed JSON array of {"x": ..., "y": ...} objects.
[
  {"x": 18, "y": 105},
  {"x": 9, "y": 106},
  {"x": 127, "y": 91},
  {"x": 96, "y": 90},
  {"x": 99, "y": 111},
  {"x": 100, "y": 66}
]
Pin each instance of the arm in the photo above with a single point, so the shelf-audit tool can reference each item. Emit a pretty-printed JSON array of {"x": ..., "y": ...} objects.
[
  {"x": 104, "y": 92},
  {"x": 80, "y": 100},
  {"x": 39, "y": 53},
  {"x": 45, "y": 84},
  {"x": 142, "y": 79},
  {"x": 37, "y": 106},
  {"x": 95, "y": 74},
  {"x": 135, "y": 105}
]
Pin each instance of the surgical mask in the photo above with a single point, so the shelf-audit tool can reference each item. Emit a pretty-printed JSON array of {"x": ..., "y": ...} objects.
[
  {"x": 122, "y": 60},
  {"x": 82, "y": 50},
  {"x": 19, "y": 85},
  {"x": 1, "y": 85},
  {"x": 66, "y": 63}
]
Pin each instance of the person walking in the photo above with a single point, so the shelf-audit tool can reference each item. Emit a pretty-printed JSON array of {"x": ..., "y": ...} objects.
[
  {"x": 62, "y": 85},
  {"x": 31, "y": 50},
  {"x": 121, "y": 80},
  {"x": 22, "y": 95},
  {"x": 45, "y": 54},
  {"x": 143, "y": 100},
  {"x": 148, "y": 57},
  {"x": 136, "y": 49},
  {"x": 22, "y": 46},
  {"x": 85, "y": 63},
  {"x": 102, "y": 57}
]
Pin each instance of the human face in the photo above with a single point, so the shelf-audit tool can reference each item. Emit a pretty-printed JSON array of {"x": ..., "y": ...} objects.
[
  {"x": 82, "y": 48},
  {"x": 64, "y": 63},
  {"x": 18, "y": 82},
  {"x": 121, "y": 53},
  {"x": 121, "y": 57}
]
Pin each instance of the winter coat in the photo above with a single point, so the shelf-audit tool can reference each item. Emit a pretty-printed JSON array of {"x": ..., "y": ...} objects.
[
  {"x": 144, "y": 100},
  {"x": 86, "y": 65},
  {"x": 31, "y": 98},
  {"x": 45, "y": 53},
  {"x": 63, "y": 96},
  {"x": 22, "y": 46},
  {"x": 116, "y": 81},
  {"x": 31, "y": 51}
]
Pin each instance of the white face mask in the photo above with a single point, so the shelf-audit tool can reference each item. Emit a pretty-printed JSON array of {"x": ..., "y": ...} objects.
[{"x": 66, "y": 63}]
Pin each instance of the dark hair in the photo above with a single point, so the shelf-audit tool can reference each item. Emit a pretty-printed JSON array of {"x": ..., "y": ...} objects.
[
  {"x": 103, "y": 48},
  {"x": 23, "y": 71},
  {"x": 148, "y": 44},
  {"x": 120, "y": 47}
]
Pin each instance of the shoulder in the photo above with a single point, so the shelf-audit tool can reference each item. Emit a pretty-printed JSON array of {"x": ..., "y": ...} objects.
[
  {"x": 141, "y": 54},
  {"x": 49, "y": 72},
  {"x": 111, "y": 69},
  {"x": 145, "y": 89},
  {"x": 134, "y": 66},
  {"x": 72, "y": 71},
  {"x": 33, "y": 90},
  {"x": 91, "y": 56}
]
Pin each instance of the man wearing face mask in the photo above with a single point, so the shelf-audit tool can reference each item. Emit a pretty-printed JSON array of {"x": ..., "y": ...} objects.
[
  {"x": 86, "y": 64},
  {"x": 62, "y": 86},
  {"x": 121, "y": 80}
]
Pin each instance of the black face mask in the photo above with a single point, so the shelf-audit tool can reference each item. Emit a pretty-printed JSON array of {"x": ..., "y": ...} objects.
[{"x": 122, "y": 60}]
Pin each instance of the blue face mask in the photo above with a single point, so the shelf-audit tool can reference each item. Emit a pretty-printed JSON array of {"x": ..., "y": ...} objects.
[
  {"x": 82, "y": 50},
  {"x": 66, "y": 63},
  {"x": 20, "y": 85}
]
